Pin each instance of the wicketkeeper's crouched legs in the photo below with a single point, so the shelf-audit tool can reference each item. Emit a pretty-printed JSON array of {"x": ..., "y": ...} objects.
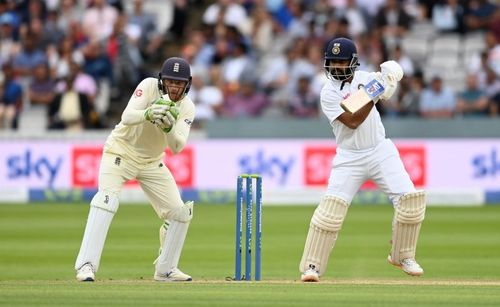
[
  {"x": 325, "y": 224},
  {"x": 174, "y": 237},
  {"x": 102, "y": 209}
]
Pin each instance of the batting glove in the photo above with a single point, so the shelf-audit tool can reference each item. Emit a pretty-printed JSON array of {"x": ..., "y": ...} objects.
[
  {"x": 390, "y": 84},
  {"x": 392, "y": 68}
]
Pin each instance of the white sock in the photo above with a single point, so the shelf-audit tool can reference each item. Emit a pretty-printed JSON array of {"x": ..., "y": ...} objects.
[
  {"x": 96, "y": 230},
  {"x": 172, "y": 247}
]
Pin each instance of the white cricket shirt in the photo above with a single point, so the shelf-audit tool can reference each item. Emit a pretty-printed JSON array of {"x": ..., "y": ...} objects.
[
  {"x": 143, "y": 141},
  {"x": 371, "y": 131}
]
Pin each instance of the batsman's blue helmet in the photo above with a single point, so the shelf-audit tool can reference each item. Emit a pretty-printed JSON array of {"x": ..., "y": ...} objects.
[
  {"x": 176, "y": 69},
  {"x": 340, "y": 49}
]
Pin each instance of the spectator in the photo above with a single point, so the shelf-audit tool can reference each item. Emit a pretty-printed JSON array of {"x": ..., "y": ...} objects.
[
  {"x": 98, "y": 20},
  {"x": 30, "y": 56},
  {"x": 208, "y": 97},
  {"x": 9, "y": 46},
  {"x": 70, "y": 13},
  {"x": 97, "y": 63},
  {"x": 478, "y": 14},
  {"x": 403, "y": 60},
  {"x": 225, "y": 12},
  {"x": 60, "y": 58},
  {"x": 44, "y": 34},
  {"x": 142, "y": 30},
  {"x": 372, "y": 7},
  {"x": 35, "y": 9},
  {"x": 274, "y": 72},
  {"x": 41, "y": 90},
  {"x": 52, "y": 34},
  {"x": 298, "y": 27},
  {"x": 304, "y": 103},
  {"x": 394, "y": 22},
  {"x": 437, "y": 101},
  {"x": 448, "y": 16},
  {"x": 234, "y": 66},
  {"x": 299, "y": 64},
  {"x": 83, "y": 82},
  {"x": 372, "y": 50},
  {"x": 259, "y": 29},
  {"x": 180, "y": 19},
  {"x": 246, "y": 102},
  {"x": 493, "y": 52},
  {"x": 124, "y": 55},
  {"x": 478, "y": 64},
  {"x": 492, "y": 90},
  {"x": 71, "y": 110},
  {"x": 11, "y": 99},
  {"x": 409, "y": 95},
  {"x": 473, "y": 100},
  {"x": 494, "y": 25},
  {"x": 356, "y": 19}
]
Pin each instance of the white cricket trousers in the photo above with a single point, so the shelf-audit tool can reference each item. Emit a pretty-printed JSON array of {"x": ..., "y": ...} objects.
[
  {"x": 157, "y": 183},
  {"x": 382, "y": 164},
  {"x": 155, "y": 179}
]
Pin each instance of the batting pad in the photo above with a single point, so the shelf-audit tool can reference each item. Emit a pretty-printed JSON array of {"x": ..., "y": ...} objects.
[
  {"x": 323, "y": 229},
  {"x": 408, "y": 216},
  {"x": 172, "y": 247}
]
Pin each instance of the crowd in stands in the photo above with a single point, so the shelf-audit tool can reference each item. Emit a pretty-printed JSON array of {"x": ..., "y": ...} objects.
[{"x": 78, "y": 61}]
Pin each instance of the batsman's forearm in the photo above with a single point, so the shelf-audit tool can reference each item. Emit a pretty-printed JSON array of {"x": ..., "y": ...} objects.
[
  {"x": 177, "y": 137},
  {"x": 354, "y": 120},
  {"x": 133, "y": 117}
]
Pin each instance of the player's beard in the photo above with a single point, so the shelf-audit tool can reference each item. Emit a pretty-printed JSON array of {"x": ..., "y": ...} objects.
[
  {"x": 175, "y": 93},
  {"x": 341, "y": 73}
]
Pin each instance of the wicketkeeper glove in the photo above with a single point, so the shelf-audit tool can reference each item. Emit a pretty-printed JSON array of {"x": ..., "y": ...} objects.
[
  {"x": 157, "y": 110},
  {"x": 174, "y": 110},
  {"x": 166, "y": 123}
]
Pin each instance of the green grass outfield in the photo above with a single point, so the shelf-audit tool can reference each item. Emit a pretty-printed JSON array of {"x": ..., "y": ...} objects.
[{"x": 459, "y": 249}]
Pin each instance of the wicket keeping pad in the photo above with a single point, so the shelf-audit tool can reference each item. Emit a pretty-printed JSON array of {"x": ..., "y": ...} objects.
[
  {"x": 408, "y": 216},
  {"x": 325, "y": 224}
]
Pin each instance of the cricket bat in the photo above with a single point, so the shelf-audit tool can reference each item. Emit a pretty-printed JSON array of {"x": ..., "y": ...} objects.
[{"x": 363, "y": 96}]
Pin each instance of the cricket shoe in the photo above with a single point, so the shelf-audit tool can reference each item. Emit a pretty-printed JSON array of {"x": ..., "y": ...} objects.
[
  {"x": 174, "y": 275},
  {"x": 86, "y": 273},
  {"x": 408, "y": 265},
  {"x": 310, "y": 275}
]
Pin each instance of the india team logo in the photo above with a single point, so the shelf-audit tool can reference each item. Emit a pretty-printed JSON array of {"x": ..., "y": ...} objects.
[{"x": 336, "y": 48}]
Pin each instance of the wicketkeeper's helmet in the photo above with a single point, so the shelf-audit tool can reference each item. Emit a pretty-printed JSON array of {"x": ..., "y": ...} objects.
[
  {"x": 340, "y": 49},
  {"x": 176, "y": 69}
]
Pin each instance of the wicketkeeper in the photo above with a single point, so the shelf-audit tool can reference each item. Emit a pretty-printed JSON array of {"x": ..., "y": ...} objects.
[
  {"x": 363, "y": 152},
  {"x": 158, "y": 115}
]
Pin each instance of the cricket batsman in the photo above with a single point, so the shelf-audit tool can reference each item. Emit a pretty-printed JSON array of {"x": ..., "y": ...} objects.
[
  {"x": 158, "y": 115},
  {"x": 363, "y": 152}
]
